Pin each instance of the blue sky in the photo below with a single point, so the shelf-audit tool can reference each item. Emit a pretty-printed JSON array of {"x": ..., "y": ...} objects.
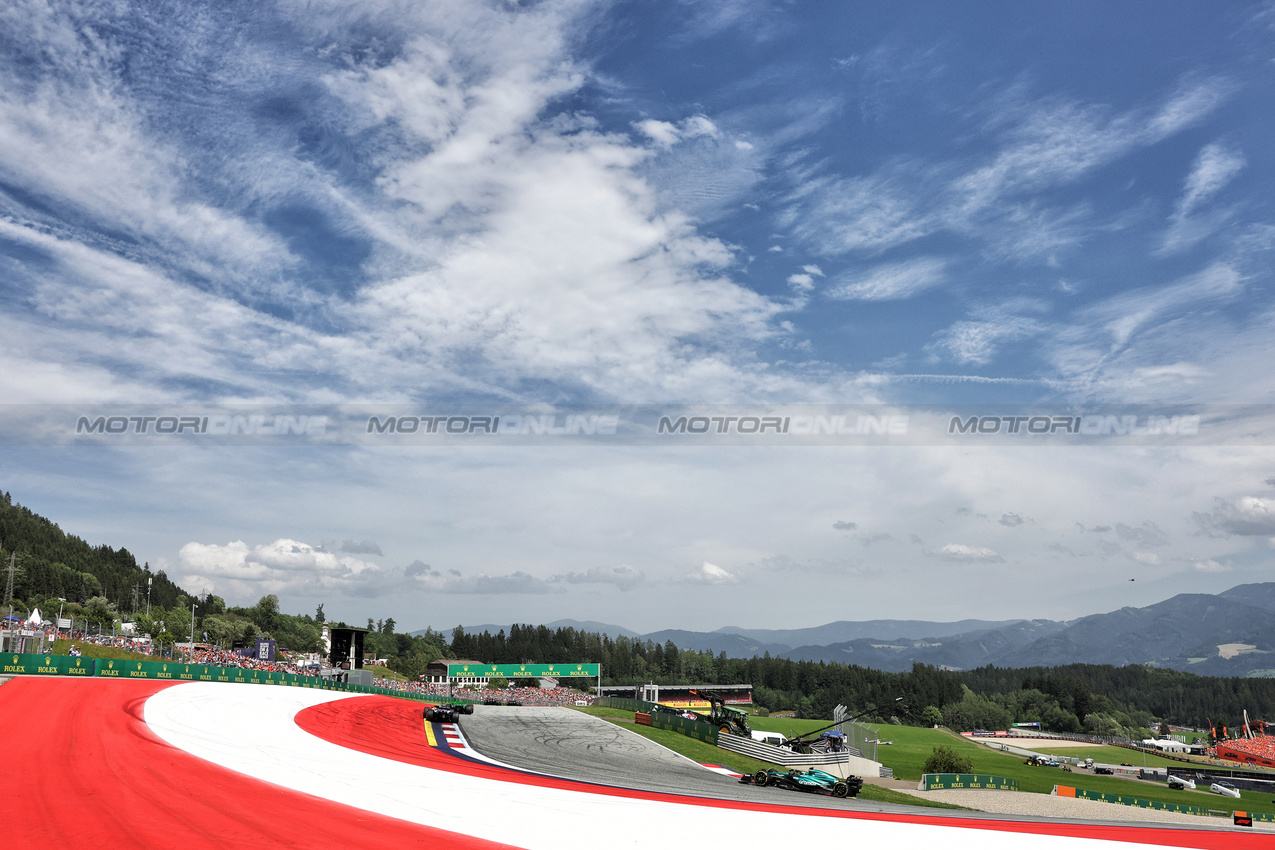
[{"x": 564, "y": 203}]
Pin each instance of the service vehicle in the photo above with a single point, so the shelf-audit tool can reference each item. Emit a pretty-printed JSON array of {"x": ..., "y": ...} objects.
[
  {"x": 813, "y": 781},
  {"x": 728, "y": 719},
  {"x": 1226, "y": 789},
  {"x": 1181, "y": 783}
]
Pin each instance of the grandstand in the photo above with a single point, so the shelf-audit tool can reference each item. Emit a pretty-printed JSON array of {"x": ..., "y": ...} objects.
[
  {"x": 1258, "y": 750},
  {"x": 680, "y": 695}
]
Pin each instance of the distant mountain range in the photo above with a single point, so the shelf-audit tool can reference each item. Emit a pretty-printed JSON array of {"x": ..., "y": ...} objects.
[{"x": 1225, "y": 634}]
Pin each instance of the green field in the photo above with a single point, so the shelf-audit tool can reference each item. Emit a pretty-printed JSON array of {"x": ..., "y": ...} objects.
[
  {"x": 92, "y": 650},
  {"x": 1105, "y": 755},
  {"x": 911, "y": 746}
]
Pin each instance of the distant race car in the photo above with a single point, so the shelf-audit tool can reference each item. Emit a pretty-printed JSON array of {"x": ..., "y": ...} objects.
[
  {"x": 446, "y": 713},
  {"x": 1224, "y": 788},
  {"x": 813, "y": 781}
]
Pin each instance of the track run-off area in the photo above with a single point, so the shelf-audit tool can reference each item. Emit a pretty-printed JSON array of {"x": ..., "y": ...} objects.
[{"x": 144, "y": 764}]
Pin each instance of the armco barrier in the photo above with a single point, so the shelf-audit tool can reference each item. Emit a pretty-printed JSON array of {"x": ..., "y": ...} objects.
[
  {"x": 47, "y": 665},
  {"x": 934, "y": 781},
  {"x": 1082, "y": 794},
  {"x": 771, "y": 754}
]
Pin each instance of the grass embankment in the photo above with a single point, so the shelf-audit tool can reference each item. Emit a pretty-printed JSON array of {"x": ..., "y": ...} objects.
[
  {"x": 92, "y": 650},
  {"x": 911, "y": 746}
]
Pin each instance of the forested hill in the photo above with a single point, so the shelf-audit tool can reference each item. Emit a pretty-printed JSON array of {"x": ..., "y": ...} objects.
[{"x": 51, "y": 563}]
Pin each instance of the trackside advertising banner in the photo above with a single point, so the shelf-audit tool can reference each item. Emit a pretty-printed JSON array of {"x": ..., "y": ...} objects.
[
  {"x": 47, "y": 665},
  {"x": 934, "y": 781},
  {"x": 625, "y": 425},
  {"x": 522, "y": 671},
  {"x": 65, "y": 665}
]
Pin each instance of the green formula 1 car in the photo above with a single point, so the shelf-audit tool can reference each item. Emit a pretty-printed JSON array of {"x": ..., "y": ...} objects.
[{"x": 812, "y": 780}]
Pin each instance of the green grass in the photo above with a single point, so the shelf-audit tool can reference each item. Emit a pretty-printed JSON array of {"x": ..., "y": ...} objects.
[
  {"x": 912, "y": 745},
  {"x": 789, "y": 727},
  {"x": 1105, "y": 755},
  {"x": 92, "y": 650}
]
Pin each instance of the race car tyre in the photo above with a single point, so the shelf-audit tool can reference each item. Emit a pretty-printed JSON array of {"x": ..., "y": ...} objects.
[
  {"x": 761, "y": 778},
  {"x": 841, "y": 789},
  {"x": 467, "y": 708}
]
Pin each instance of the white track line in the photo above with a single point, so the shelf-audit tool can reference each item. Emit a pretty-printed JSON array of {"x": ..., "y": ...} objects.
[{"x": 251, "y": 730}]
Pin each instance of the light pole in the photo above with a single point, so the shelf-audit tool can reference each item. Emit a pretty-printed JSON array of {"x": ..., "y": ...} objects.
[{"x": 148, "y": 595}]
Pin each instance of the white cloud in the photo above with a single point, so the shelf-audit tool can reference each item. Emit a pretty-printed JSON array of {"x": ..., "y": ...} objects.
[
  {"x": 1214, "y": 168},
  {"x": 971, "y": 554},
  {"x": 1039, "y": 146},
  {"x": 977, "y": 341},
  {"x": 891, "y": 282},
  {"x": 1147, "y": 534},
  {"x": 662, "y": 133},
  {"x": 712, "y": 574},
  {"x": 1149, "y": 558},
  {"x": 1251, "y": 516},
  {"x": 801, "y": 282},
  {"x": 483, "y": 585},
  {"x": 1211, "y": 566},
  {"x": 623, "y": 577},
  {"x": 285, "y": 566}
]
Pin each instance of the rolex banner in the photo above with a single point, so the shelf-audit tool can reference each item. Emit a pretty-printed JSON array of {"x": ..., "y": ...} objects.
[
  {"x": 56, "y": 665},
  {"x": 522, "y": 671}
]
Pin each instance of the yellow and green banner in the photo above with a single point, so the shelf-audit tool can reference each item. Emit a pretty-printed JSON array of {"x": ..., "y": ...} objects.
[
  {"x": 935, "y": 781},
  {"x": 521, "y": 671}
]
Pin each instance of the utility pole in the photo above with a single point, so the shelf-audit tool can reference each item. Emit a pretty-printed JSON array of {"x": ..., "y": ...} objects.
[{"x": 148, "y": 594}]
